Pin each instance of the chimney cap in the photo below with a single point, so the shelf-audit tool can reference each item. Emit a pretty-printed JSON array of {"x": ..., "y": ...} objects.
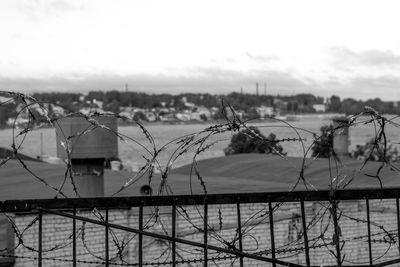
[
  {"x": 341, "y": 119},
  {"x": 96, "y": 143}
]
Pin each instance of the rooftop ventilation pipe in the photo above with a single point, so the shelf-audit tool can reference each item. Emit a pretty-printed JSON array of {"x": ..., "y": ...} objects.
[
  {"x": 88, "y": 151},
  {"x": 341, "y": 136}
]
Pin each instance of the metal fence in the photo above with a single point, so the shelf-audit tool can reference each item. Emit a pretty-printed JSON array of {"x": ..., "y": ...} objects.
[{"x": 68, "y": 207}]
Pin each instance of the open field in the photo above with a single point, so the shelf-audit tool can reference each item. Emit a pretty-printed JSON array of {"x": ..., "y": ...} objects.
[{"x": 132, "y": 154}]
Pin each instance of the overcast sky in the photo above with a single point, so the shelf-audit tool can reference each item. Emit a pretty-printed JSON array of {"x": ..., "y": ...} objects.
[{"x": 347, "y": 48}]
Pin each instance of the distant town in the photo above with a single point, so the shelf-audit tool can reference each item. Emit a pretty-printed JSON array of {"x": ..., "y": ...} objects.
[{"x": 187, "y": 107}]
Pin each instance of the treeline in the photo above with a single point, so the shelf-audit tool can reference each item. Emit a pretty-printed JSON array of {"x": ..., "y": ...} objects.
[
  {"x": 245, "y": 102},
  {"x": 351, "y": 106},
  {"x": 113, "y": 100}
]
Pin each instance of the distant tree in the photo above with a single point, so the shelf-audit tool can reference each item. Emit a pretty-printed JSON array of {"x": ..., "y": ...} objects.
[
  {"x": 319, "y": 100},
  {"x": 139, "y": 116},
  {"x": 7, "y": 111},
  {"x": 111, "y": 96},
  {"x": 323, "y": 146},
  {"x": 267, "y": 100},
  {"x": 306, "y": 99},
  {"x": 137, "y": 100},
  {"x": 376, "y": 151},
  {"x": 114, "y": 107},
  {"x": 203, "y": 117},
  {"x": 251, "y": 114},
  {"x": 334, "y": 104},
  {"x": 37, "y": 117},
  {"x": 253, "y": 141},
  {"x": 98, "y": 95},
  {"x": 218, "y": 115},
  {"x": 156, "y": 102},
  {"x": 125, "y": 99},
  {"x": 178, "y": 103},
  {"x": 67, "y": 100},
  {"x": 389, "y": 107},
  {"x": 292, "y": 106},
  {"x": 351, "y": 106},
  {"x": 210, "y": 101},
  {"x": 377, "y": 104}
]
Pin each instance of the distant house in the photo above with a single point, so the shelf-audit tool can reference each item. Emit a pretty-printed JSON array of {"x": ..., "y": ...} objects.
[
  {"x": 4, "y": 99},
  {"x": 184, "y": 116},
  {"x": 132, "y": 112},
  {"x": 187, "y": 104},
  {"x": 18, "y": 121},
  {"x": 125, "y": 114},
  {"x": 57, "y": 109},
  {"x": 280, "y": 105},
  {"x": 168, "y": 117},
  {"x": 90, "y": 110},
  {"x": 199, "y": 113},
  {"x": 150, "y": 116},
  {"x": 214, "y": 110},
  {"x": 163, "y": 111},
  {"x": 264, "y": 111},
  {"x": 22, "y": 118},
  {"x": 319, "y": 107},
  {"x": 128, "y": 109},
  {"x": 98, "y": 103}
]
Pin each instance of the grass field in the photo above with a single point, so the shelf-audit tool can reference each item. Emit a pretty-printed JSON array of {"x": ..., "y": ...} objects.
[
  {"x": 240, "y": 173},
  {"x": 132, "y": 154}
]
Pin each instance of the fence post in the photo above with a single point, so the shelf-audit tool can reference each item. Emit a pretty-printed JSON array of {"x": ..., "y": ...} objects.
[
  {"x": 74, "y": 238},
  {"x": 173, "y": 215},
  {"x": 369, "y": 231},
  {"x": 40, "y": 237},
  {"x": 303, "y": 218},
  {"x": 337, "y": 239},
  {"x": 239, "y": 230},
  {"x": 140, "y": 235},
  {"x": 106, "y": 237},
  {"x": 271, "y": 229},
  {"x": 398, "y": 223},
  {"x": 205, "y": 226}
]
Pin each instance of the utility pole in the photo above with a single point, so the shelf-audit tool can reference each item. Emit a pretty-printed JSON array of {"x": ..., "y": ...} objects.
[
  {"x": 241, "y": 90},
  {"x": 265, "y": 88},
  {"x": 126, "y": 87},
  {"x": 257, "y": 88}
]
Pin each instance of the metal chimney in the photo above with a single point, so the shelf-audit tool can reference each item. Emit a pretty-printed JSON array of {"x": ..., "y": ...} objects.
[
  {"x": 341, "y": 136},
  {"x": 87, "y": 151}
]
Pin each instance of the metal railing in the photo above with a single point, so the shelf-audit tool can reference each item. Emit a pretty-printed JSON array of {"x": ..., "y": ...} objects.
[{"x": 60, "y": 207}]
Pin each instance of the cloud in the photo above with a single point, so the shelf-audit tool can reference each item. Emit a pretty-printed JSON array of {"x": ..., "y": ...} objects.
[
  {"x": 386, "y": 87},
  {"x": 37, "y": 10},
  {"x": 345, "y": 56},
  {"x": 377, "y": 83},
  {"x": 262, "y": 58}
]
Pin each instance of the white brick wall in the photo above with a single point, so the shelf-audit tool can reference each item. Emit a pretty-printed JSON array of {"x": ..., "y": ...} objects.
[{"x": 255, "y": 226}]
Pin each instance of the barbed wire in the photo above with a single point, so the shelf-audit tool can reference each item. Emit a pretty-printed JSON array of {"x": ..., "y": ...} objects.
[{"x": 193, "y": 146}]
